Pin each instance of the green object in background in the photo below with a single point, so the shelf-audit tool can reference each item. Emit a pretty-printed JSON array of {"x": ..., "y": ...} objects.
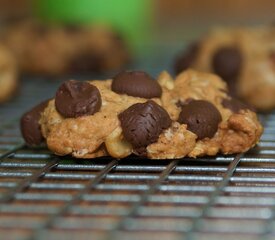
[{"x": 131, "y": 17}]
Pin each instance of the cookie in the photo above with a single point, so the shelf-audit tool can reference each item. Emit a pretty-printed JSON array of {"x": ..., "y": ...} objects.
[
  {"x": 58, "y": 50},
  {"x": 243, "y": 57},
  {"x": 8, "y": 75},
  {"x": 191, "y": 115}
]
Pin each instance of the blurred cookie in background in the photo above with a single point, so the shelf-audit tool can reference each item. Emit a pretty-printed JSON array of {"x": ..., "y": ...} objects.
[
  {"x": 8, "y": 75},
  {"x": 63, "y": 49},
  {"x": 243, "y": 57}
]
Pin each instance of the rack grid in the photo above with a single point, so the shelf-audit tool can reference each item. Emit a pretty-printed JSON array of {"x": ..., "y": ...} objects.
[{"x": 43, "y": 196}]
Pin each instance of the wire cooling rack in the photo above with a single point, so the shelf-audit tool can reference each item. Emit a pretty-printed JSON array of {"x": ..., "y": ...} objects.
[{"x": 47, "y": 197}]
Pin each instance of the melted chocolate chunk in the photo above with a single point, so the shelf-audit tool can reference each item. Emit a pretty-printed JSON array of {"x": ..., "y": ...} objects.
[
  {"x": 136, "y": 84},
  {"x": 85, "y": 63},
  {"x": 201, "y": 117},
  {"x": 235, "y": 105},
  {"x": 142, "y": 123},
  {"x": 75, "y": 99},
  {"x": 187, "y": 58},
  {"x": 30, "y": 127},
  {"x": 227, "y": 63}
]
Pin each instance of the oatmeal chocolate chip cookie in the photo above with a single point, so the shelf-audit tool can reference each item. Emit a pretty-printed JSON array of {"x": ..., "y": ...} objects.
[
  {"x": 8, "y": 75},
  {"x": 192, "y": 116},
  {"x": 55, "y": 50},
  {"x": 243, "y": 57}
]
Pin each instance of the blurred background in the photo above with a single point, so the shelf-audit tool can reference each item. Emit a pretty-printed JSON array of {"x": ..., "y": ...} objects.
[
  {"x": 145, "y": 19},
  {"x": 153, "y": 28}
]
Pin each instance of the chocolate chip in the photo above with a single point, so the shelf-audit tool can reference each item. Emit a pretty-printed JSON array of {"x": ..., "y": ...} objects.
[
  {"x": 227, "y": 63},
  {"x": 75, "y": 99},
  {"x": 235, "y": 105},
  {"x": 142, "y": 123},
  {"x": 136, "y": 84},
  {"x": 187, "y": 58},
  {"x": 86, "y": 62},
  {"x": 201, "y": 117},
  {"x": 30, "y": 127}
]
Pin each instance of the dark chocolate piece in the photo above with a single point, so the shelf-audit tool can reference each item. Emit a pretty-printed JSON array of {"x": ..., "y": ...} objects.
[
  {"x": 75, "y": 99},
  {"x": 201, "y": 117},
  {"x": 227, "y": 63},
  {"x": 136, "y": 84},
  {"x": 142, "y": 123},
  {"x": 30, "y": 127}
]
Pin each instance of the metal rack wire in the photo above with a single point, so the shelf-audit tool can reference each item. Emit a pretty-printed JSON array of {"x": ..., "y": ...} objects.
[{"x": 46, "y": 197}]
